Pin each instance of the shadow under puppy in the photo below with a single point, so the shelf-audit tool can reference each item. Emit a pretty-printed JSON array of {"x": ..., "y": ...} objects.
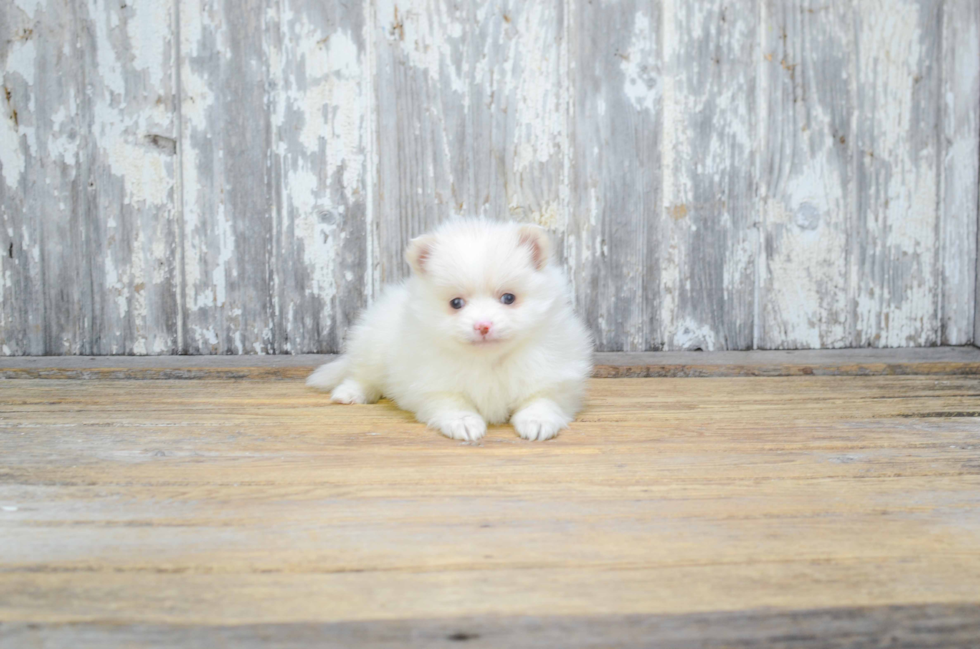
[{"x": 482, "y": 331}]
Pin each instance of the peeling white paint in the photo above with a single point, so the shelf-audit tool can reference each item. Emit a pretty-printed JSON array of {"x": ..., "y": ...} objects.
[
  {"x": 29, "y": 7},
  {"x": 430, "y": 35},
  {"x": 197, "y": 97},
  {"x": 675, "y": 155},
  {"x": 12, "y": 163},
  {"x": 959, "y": 240},
  {"x": 161, "y": 345},
  {"x": 498, "y": 135},
  {"x": 548, "y": 217},
  {"x": 21, "y": 60},
  {"x": 330, "y": 103},
  {"x": 18, "y": 68},
  {"x": 197, "y": 100},
  {"x": 149, "y": 31},
  {"x": 63, "y": 142},
  {"x": 901, "y": 213},
  {"x": 225, "y": 253},
  {"x": 137, "y": 293},
  {"x": 689, "y": 335},
  {"x": 804, "y": 279},
  {"x": 332, "y": 83},
  {"x": 530, "y": 80},
  {"x": 116, "y": 285},
  {"x": 110, "y": 70},
  {"x": 148, "y": 181},
  {"x": 641, "y": 66},
  {"x": 207, "y": 335}
]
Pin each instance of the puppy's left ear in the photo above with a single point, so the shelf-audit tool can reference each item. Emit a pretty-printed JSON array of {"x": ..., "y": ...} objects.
[
  {"x": 418, "y": 251},
  {"x": 538, "y": 241}
]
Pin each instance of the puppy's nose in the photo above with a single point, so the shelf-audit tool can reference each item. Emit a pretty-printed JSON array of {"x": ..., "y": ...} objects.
[{"x": 483, "y": 327}]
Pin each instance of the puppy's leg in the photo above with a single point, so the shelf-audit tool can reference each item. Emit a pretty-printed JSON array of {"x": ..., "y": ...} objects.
[
  {"x": 354, "y": 391},
  {"x": 453, "y": 416},
  {"x": 330, "y": 375},
  {"x": 539, "y": 419}
]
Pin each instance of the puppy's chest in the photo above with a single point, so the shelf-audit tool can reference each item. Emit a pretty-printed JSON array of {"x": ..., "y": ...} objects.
[{"x": 494, "y": 391}]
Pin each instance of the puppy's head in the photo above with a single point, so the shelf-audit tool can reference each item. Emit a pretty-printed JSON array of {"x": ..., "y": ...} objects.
[{"x": 483, "y": 284}]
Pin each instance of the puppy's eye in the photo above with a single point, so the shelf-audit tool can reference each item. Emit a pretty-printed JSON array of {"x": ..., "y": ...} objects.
[
  {"x": 457, "y": 303},
  {"x": 508, "y": 298}
]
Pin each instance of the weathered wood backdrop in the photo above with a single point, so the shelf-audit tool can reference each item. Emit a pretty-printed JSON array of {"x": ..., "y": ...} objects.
[{"x": 240, "y": 176}]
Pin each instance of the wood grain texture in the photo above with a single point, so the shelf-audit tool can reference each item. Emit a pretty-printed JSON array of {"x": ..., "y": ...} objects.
[
  {"x": 88, "y": 203},
  {"x": 806, "y": 174},
  {"x": 179, "y": 504},
  {"x": 856, "y": 229},
  {"x": 322, "y": 126},
  {"x": 26, "y": 57},
  {"x": 613, "y": 220},
  {"x": 231, "y": 199},
  {"x": 906, "y": 627},
  {"x": 469, "y": 117},
  {"x": 129, "y": 234},
  {"x": 895, "y": 279},
  {"x": 275, "y": 172},
  {"x": 711, "y": 54},
  {"x": 211, "y": 177},
  {"x": 961, "y": 169}
]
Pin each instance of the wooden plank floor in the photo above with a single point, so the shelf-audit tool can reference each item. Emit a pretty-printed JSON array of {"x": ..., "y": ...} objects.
[{"x": 776, "y": 511}]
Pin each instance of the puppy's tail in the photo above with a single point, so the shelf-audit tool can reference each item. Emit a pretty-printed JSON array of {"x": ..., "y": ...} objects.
[{"x": 330, "y": 375}]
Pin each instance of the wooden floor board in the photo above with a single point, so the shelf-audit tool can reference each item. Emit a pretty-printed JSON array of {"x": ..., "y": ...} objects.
[
  {"x": 145, "y": 509},
  {"x": 901, "y": 627}
]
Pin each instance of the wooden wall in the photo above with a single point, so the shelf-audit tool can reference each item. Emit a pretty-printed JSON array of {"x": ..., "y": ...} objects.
[{"x": 241, "y": 176}]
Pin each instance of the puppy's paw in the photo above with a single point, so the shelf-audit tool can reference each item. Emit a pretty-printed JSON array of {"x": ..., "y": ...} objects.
[
  {"x": 539, "y": 421},
  {"x": 350, "y": 391},
  {"x": 466, "y": 426}
]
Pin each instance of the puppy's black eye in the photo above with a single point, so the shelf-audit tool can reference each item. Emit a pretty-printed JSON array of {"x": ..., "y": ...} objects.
[
  {"x": 508, "y": 298},
  {"x": 457, "y": 302}
]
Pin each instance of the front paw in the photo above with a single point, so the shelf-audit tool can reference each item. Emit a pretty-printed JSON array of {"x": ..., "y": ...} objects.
[
  {"x": 538, "y": 422},
  {"x": 464, "y": 426},
  {"x": 348, "y": 392}
]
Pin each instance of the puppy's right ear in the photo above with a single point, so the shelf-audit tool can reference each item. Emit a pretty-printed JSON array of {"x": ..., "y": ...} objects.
[
  {"x": 538, "y": 242},
  {"x": 418, "y": 252}
]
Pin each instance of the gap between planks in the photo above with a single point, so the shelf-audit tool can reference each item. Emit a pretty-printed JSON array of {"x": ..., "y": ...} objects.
[{"x": 963, "y": 361}]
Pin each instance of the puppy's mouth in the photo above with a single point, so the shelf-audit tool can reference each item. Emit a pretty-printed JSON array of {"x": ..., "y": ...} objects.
[{"x": 486, "y": 342}]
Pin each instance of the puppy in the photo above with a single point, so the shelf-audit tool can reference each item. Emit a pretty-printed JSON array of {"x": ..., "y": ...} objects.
[{"x": 483, "y": 331}]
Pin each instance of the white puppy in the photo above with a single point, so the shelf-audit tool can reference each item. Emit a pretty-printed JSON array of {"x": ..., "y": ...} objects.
[{"x": 483, "y": 331}]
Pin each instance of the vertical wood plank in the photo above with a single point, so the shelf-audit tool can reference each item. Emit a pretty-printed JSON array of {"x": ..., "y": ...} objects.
[
  {"x": 894, "y": 276},
  {"x": 613, "y": 222},
  {"x": 708, "y": 228},
  {"x": 229, "y": 175},
  {"x": 806, "y": 145},
  {"x": 36, "y": 184},
  {"x": 91, "y": 175},
  {"x": 322, "y": 124},
  {"x": 469, "y": 117},
  {"x": 129, "y": 160},
  {"x": 961, "y": 147}
]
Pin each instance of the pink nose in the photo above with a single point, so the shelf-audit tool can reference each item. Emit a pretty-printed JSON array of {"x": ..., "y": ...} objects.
[{"x": 483, "y": 327}]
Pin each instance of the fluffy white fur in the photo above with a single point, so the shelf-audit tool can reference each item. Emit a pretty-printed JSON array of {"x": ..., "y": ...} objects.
[{"x": 458, "y": 369}]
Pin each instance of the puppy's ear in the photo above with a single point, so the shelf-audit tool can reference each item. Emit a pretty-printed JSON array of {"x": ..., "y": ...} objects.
[
  {"x": 538, "y": 241},
  {"x": 418, "y": 251}
]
